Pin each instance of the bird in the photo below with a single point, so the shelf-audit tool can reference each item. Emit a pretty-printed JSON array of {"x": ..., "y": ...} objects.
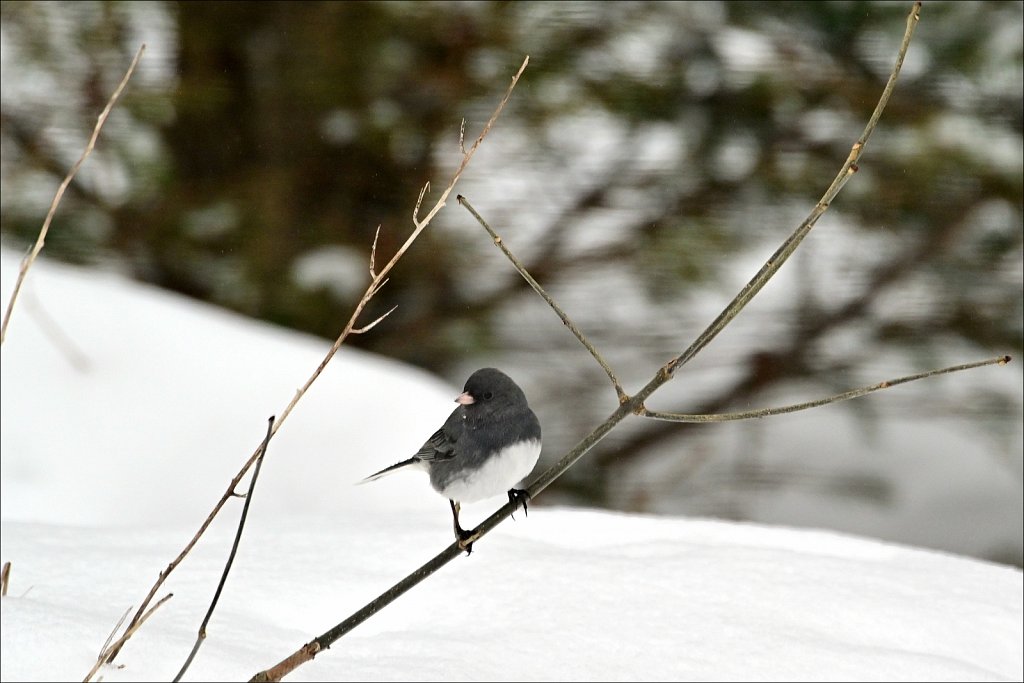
[{"x": 489, "y": 443}]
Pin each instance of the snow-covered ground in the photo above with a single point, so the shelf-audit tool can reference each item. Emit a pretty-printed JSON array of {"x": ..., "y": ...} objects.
[{"x": 120, "y": 431}]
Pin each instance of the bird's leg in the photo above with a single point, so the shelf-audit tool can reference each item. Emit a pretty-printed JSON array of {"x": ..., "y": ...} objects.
[
  {"x": 461, "y": 534},
  {"x": 516, "y": 496}
]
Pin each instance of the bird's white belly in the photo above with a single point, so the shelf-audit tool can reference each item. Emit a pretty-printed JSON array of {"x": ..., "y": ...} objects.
[{"x": 499, "y": 474}]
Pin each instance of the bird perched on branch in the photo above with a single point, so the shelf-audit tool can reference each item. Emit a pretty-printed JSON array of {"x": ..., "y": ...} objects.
[{"x": 485, "y": 447}]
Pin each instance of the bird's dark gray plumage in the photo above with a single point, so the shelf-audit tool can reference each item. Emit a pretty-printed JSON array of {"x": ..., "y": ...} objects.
[{"x": 485, "y": 447}]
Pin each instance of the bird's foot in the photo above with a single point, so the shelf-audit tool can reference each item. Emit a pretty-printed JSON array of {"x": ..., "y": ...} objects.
[
  {"x": 463, "y": 538},
  {"x": 517, "y": 496},
  {"x": 461, "y": 535}
]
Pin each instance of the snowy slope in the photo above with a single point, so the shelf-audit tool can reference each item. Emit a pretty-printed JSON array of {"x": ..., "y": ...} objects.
[{"x": 110, "y": 461}]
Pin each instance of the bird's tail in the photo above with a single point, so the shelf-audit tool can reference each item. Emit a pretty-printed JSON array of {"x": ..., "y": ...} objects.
[{"x": 388, "y": 470}]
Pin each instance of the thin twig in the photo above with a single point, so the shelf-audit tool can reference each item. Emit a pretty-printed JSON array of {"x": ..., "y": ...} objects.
[
  {"x": 466, "y": 157},
  {"x": 105, "y": 655},
  {"x": 373, "y": 254},
  {"x": 231, "y": 556},
  {"x": 309, "y": 650},
  {"x": 845, "y": 396},
  {"x": 370, "y": 326},
  {"x": 375, "y": 284},
  {"x": 420, "y": 225},
  {"x": 563, "y": 316},
  {"x": 635, "y": 404},
  {"x": 5, "y": 578},
  {"x": 789, "y": 246},
  {"x": 378, "y": 286},
  {"x": 113, "y": 632},
  {"x": 419, "y": 202},
  {"x": 631, "y": 406},
  {"x": 30, "y": 258},
  {"x": 139, "y": 614},
  {"x": 324, "y": 641}
]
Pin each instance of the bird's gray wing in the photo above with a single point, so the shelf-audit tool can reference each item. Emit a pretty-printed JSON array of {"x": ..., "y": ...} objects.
[{"x": 441, "y": 444}]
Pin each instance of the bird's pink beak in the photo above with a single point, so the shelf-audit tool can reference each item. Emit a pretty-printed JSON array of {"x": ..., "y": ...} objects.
[{"x": 464, "y": 398}]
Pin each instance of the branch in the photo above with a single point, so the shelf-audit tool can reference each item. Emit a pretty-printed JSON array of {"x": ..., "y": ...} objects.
[
  {"x": 420, "y": 225},
  {"x": 812, "y": 329},
  {"x": 635, "y": 404},
  {"x": 373, "y": 254},
  {"x": 231, "y": 556},
  {"x": 783, "y": 253},
  {"x": 324, "y": 641},
  {"x": 566, "y": 320},
  {"x": 139, "y": 614},
  {"x": 376, "y": 282},
  {"x": 853, "y": 393},
  {"x": 466, "y": 156},
  {"x": 627, "y": 405},
  {"x": 30, "y": 258},
  {"x": 105, "y": 654},
  {"x": 366, "y": 328}
]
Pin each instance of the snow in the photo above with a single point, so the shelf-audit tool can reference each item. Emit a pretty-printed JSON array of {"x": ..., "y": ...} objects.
[{"x": 110, "y": 461}]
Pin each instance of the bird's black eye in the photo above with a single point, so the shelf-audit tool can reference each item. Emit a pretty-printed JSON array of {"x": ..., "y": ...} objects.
[{"x": 488, "y": 395}]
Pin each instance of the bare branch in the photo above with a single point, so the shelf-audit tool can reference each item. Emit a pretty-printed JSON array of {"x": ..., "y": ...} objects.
[
  {"x": 783, "y": 253},
  {"x": 231, "y": 556},
  {"x": 376, "y": 283},
  {"x": 563, "y": 316},
  {"x": 467, "y": 157},
  {"x": 636, "y": 403},
  {"x": 30, "y": 258},
  {"x": 420, "y": 226},
  {"x": 377, "y": 286},
  {"x": 367, "y": 328},
  {"x": 853, "y": 393},
  {"x": 633, "y": 405},
  {"x": 227, "y": 495},
  {"x": 113, "y": 631},
  {"x": 289, "y": 663},
  {"x": 324, "y": 641},
  {"x": 883, "y": 278},
  {"x": 419, "y": 202},
  {"x": 373, "y": 254},
  {"x": 108, "y": 654}
]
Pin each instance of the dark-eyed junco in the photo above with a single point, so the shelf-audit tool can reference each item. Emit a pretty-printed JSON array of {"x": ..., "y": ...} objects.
[{"x": 486, "y": 446}]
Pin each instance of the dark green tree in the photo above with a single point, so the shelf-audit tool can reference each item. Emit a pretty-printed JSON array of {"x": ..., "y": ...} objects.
[{"x": 652, "y": 155}]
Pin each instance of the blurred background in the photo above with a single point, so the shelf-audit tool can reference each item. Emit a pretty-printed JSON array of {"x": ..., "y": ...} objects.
[{"x": 652, "y": 157}]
